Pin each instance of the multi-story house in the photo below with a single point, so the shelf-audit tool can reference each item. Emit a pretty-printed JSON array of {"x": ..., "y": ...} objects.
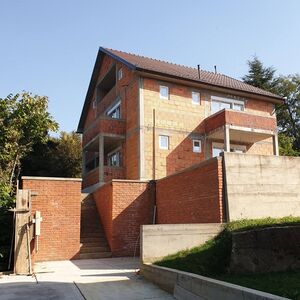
[{"x": 145, "y": 119}]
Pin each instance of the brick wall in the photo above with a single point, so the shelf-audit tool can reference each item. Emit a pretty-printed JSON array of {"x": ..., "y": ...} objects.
[
  {"x": 123, "y": 207},
  {"x": 58, "y": 200},
  {"x": 183, "y": 121},
  {"x": 192, "y": 196},
  {"x": 104, "y": 201}
]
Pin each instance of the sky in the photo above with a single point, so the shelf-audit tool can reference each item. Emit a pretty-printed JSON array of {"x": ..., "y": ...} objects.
[{"x": 49, "y": 47}]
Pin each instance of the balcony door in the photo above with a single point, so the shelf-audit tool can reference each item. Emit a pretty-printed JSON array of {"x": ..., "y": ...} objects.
[{"x": 217, "y": 148}]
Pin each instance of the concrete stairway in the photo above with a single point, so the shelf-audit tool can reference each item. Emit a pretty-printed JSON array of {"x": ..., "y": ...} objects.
[{"x": 93, "y": 243}]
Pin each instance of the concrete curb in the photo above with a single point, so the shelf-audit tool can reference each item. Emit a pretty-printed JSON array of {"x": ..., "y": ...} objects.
[{"x": 187, "y": 286}]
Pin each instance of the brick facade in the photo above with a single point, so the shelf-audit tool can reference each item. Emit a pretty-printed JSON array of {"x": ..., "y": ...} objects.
[
  {"x": 190, "y": 196},
  {"x": 58, "y": 200},
  {"x": 194, "y": 195},
  {"x": 177, "y": 117},
  {"x": 123, "y": 207}
]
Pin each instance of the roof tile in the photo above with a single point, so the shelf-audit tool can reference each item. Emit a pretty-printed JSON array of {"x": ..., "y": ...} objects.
[{"x": 184, "y": 72}]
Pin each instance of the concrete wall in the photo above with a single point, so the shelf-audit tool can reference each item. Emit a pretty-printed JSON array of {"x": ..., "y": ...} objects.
[
  {"x": 158, "y": 241},
  {"x": 58, "y": 200},
  {"x": 259, "y": 186},
  {"x": 188, "y": 286}
]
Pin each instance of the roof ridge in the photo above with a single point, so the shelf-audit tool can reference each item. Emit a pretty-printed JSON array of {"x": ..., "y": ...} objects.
[{"x": 164, "y": 61}]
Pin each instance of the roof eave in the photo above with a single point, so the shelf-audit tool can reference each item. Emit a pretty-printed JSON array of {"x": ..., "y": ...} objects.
[
  {"x": 275, "y": 99},
  {"x": 93, "y": 82}
]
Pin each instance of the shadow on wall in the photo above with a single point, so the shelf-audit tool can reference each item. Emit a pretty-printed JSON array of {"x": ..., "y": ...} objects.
[
  {"x": 131, "y": 206},
  {"x": 182, "y": 156}
]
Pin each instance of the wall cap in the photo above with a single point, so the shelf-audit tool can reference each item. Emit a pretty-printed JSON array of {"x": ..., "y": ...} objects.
[{"x": 50, "y": 178}]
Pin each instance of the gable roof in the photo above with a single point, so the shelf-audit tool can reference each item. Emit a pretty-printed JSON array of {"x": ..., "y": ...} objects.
[{"x": 167, "y": 69}]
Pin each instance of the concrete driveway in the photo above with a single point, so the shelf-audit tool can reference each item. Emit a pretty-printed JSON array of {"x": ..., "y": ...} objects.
[{"x": 111, "y": 278}]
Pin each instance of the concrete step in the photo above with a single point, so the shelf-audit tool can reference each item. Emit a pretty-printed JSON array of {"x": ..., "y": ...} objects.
[
  {"x": 86, "y": 249},
  {"x": 95, "y": 255},
  {"x": 94, "y": 244},
  {"x": 96, "y": 233},
  {"x": 92, "y": 239}
]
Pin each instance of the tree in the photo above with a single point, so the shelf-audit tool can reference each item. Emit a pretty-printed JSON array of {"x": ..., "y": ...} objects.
[
  {"x": 24, "y": 122},
  {"x": 288, "y": 113},
  {"x": 59, "y": 157},
  {"x": 261, "y": 76}
]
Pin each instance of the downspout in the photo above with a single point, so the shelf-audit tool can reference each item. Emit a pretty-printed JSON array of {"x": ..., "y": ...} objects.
[{"x": 153, "y": 146}]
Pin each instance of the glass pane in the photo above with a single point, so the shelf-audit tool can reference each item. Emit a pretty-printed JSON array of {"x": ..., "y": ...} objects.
[
  {"x": 195, "y": 98},
  {"x": 164, "y": 142},
  {"x": 224, "y": 105},
  {"x": 216, "y": 151},
  {"x": 164, "y": 92},
  {"x": 196, "y": 146},
  {"x": 215, "y": 106},
  {"x": 238, "y": 107}
]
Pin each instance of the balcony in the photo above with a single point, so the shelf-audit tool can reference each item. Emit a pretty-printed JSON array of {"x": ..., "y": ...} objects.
[
  {"x": 242, "y": 126},
  {"x": 90, "y": 178},
  {"x": 113, "y": 173},
  {"x": 104, "y": 125}
]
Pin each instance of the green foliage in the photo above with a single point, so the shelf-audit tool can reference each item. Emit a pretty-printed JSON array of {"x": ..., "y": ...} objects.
[
  {"x": 260, "y": 76},
  {"x": 59, "y": 157},
  {"x": 24, "y": 122},
  {"x": 286, "y": 145},
  {"x": 288, "y": 114},
  {"x": 285, "y": 284},
  {"x": 213, "y": 259}
]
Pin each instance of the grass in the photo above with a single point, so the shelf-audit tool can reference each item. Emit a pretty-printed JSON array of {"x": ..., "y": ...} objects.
[
  {"x": 213, "y": 258},
  {"x": 285, "y": 284}
]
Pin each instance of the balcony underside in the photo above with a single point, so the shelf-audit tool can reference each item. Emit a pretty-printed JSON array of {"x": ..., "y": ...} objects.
[{"x": 241, "y": 134}]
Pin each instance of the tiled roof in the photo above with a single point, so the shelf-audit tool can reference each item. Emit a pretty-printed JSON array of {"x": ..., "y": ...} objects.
[{"x": 188, "y": 73}]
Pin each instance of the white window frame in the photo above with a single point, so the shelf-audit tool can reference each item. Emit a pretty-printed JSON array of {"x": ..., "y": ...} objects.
[
  {"x": 120, "y": 74},
  {"x": 195, "y": 150},
  {"x": 113, "y": 108},
  {"x": 230, "y": 101},
  {"x": 196, "y": 93},
  {"x": 168, "y": 92},
  {"x": 161, "y": 146},
  {"x": 110, "y": 154}
]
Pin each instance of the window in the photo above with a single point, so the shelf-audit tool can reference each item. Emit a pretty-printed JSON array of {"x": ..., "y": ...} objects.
[
  {"x": 219, "y": 103},
  {"x": 195, "y": 98},
  {"x": 164, "y": 142},
  {"x": 164, "y": 92},
  {"x": 120, "y": 74},
  {"x": 114, "y": 159},
  {"x": 197, "y": 146},
  {"x": 115, "y": 111}
]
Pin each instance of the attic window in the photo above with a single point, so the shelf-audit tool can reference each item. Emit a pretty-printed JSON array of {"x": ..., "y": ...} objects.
[{"x": 163, "y": 92}]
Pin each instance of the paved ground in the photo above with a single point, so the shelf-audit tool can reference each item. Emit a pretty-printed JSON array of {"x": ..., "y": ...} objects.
[{"x": 108, "y": 279}]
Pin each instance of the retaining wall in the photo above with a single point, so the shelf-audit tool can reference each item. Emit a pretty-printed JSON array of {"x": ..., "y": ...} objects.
[
  {"x": 187, "y": 286},
  {"x": 259, "y": 186},
  {"x": 158, "y": 241}
]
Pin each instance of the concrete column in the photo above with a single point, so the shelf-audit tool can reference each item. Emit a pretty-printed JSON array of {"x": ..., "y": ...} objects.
[
  {"x": 101, "y": 158},
  {"x": 226, "y": 139},
  {"x": 275, "y": 144}
]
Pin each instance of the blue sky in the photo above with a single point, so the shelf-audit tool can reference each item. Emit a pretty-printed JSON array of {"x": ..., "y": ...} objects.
[{"x": 49, "y": 47}]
